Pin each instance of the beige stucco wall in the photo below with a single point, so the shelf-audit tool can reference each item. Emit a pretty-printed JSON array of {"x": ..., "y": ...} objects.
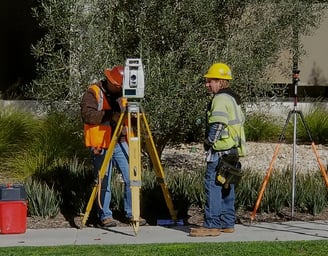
[{"x": 316, "y": 58}]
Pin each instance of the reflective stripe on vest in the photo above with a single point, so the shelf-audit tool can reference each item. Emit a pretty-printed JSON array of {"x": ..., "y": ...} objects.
[{"x": 98, "y": 136}]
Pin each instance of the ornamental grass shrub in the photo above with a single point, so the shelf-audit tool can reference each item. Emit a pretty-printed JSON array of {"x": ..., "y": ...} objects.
[
  {"x": 265, "y": 127},
  {"x": 186, "y": 190},
  {"x": 52, "y": 161},
  {"x": 43, "y": 200},
  {"x": 262, "y": 127},
  {"x": 316, "y": 120}
]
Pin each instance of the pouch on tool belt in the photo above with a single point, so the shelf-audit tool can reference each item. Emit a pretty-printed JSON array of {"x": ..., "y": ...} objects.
[{"x": 229, "y": 170}]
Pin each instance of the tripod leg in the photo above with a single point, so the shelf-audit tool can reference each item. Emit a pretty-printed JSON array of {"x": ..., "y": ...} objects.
[
  {"x": 269, "y": 171},
  {"x": 135, "y": 180},
  {"x": 158, "y": 168},
  {"x": 281, "y": 137},
  {"x": 135, "y": 166},
  {"x": 314, "y": 148},
  {"x": 322, "y": 168},
  {"x": 90, "y": 204},
  {"x": 265, "y": 181},
  {"x": 102, "y": 170}
]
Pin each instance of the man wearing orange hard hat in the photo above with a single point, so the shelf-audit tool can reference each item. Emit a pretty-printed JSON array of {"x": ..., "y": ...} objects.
[{"x": 100, "y": 108}]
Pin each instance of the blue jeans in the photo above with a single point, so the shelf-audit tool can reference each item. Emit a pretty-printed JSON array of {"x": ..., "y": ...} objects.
[
  {"x": 121, "y": 162},
  {"x": 220, "y": 202}
]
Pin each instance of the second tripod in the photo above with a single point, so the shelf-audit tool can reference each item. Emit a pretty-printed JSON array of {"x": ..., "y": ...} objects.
[{"x": 291, "y": 113}]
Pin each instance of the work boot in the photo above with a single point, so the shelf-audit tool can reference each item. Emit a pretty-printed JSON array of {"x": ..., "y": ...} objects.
[
  {"x": 109, "y": 222},
  {"x": 227, "y": 230},
  {"x": 202, "y": 231}
]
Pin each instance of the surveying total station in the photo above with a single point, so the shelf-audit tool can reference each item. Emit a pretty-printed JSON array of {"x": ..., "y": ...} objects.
[
  {"x": 137, "y": 129},
  {"x": 133, "y": 79}
]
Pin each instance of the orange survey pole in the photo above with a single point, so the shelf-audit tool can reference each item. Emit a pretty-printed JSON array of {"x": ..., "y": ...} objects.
[{"x": 265, "y": 181}]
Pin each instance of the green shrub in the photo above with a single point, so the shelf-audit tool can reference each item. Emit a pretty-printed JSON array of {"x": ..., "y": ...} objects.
[
  {"x": 262, "y": 127},
  {"x": 42, "y": 200},
  {"x": 72, "y": 181},
  {"x": 49, "y": 152},
  {"x": 58, "y": 139},
  {"x": 277, "y": 192},
  {"x": 186, "y": 189},
  {"x": 317, "y": 121},
  {"x": 18, "y": 130},
  {"x": 311, "y": 193},
  {"x": 246, "y": 191}
]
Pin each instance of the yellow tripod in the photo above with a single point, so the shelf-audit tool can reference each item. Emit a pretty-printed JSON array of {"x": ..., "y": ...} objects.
[{"x": 137, "y": 126}]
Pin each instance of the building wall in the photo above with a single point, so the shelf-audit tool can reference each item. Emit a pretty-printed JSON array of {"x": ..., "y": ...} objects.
[
  {"x": 316, "y": 58},
  {"x": 313, "y": 65}
]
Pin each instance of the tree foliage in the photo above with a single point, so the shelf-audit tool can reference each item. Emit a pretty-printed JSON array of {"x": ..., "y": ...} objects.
[{"x": 177, "y": 41}]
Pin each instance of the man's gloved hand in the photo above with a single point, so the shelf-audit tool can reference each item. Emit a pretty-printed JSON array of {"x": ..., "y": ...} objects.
[{"x": 207, "y": 144}]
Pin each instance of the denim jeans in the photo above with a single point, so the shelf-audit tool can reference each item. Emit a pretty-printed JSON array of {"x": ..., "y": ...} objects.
[
  {"x": 121, "y": 162},
  {"x": 220, "y": 202}
]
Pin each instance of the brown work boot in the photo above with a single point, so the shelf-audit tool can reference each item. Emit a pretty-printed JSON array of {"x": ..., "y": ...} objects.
[
  {"x": 202, "y": 231},
  {"x": 109, "y": 222},
  {"x": 227, "y": 230}
]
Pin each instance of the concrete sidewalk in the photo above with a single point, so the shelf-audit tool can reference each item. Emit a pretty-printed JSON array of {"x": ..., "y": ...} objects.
[{"x": 285, "y": 231}]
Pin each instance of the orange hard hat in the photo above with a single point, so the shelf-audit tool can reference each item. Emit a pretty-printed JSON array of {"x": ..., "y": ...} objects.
[{"x": 115, "y": 75}]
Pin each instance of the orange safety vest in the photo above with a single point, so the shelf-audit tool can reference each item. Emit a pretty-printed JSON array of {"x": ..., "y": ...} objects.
[{"x": 99, "y": 135}]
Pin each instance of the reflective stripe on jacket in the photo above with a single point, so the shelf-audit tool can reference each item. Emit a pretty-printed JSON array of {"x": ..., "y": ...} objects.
[
  {"x": 98, "y": 136},
  {"x": 225, "y": 110}
]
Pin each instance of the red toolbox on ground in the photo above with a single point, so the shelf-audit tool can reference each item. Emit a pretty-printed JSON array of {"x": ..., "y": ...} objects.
[{"x": 13, "y": 209}]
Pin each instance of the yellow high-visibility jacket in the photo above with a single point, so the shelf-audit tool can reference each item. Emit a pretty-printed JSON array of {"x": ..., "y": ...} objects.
[{"x": 224, "y": 109}]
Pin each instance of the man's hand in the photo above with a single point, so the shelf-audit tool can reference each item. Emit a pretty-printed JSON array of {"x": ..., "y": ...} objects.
[
  {"x": 97, "y": 151},
  {"x": 122, "y": 102}
]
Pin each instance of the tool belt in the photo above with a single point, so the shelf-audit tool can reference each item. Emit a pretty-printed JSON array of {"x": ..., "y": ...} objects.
[{"x": 228, "y": 170}]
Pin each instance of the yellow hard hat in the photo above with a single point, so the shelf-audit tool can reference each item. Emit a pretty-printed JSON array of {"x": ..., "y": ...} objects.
[{"x": 220, "y": 71}]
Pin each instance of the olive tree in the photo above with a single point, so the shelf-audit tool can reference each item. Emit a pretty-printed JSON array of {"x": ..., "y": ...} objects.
[{"x": 177, "y": 42}]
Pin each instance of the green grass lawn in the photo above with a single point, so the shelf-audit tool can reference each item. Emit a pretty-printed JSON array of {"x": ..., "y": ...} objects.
[{"x": 305, "y": 248}]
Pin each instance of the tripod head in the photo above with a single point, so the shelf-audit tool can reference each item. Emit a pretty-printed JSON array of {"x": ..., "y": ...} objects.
[
  {"x": 296, "y": 75},
  {"x": 296, "y": 79}
]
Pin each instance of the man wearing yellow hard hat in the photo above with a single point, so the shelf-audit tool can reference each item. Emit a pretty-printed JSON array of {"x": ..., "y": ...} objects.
[{"x": 224, "y": 143}]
